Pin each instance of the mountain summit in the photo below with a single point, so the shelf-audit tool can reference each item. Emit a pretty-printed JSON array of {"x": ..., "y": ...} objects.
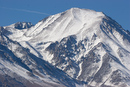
[
  {"x": 66, "y": 23},
  {"x": 75, "y": 48}
]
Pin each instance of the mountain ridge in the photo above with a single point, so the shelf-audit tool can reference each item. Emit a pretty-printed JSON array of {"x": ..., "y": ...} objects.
[{"x": 87, "y": 48}]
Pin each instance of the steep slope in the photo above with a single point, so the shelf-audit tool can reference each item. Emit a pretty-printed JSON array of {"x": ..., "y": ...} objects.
[
  {"x": 88, "y": 46},
  {"x": 20, "y": 68}
]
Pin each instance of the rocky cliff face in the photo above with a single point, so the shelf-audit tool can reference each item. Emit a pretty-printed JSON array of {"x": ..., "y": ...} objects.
[{"x": 78, "y": 47}]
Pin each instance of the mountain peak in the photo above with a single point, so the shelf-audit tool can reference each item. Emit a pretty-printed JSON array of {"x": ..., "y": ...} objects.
[
  {"x": 70, "y": 22},
  {"x": 85, "y": 11},
  {"x": 75, "y": 8},
  {"x": 21, "y": 25}
]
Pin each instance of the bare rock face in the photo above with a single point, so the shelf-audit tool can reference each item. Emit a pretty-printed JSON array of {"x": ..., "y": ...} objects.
[{"x": 23, "y": 25}]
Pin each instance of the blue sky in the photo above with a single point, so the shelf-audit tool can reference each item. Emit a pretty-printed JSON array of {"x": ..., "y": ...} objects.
[{"x": 12, "y": 11}]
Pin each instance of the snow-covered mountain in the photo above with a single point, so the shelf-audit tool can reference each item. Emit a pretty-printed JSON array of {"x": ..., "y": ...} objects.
[{"x": 75, "y": 48}]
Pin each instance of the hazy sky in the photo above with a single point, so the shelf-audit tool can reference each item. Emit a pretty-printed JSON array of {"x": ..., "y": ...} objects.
[{"x": 12, "y": 11}]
